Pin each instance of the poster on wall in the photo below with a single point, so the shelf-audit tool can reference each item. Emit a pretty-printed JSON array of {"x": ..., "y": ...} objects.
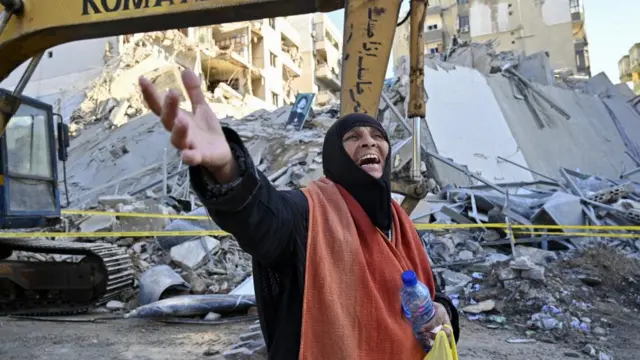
[{"x": 300, "y": 110}]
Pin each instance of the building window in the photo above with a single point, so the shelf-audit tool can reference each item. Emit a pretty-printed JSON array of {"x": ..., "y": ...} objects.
[
  {"x": 460, "y": 2},
  {"x": 575, "y": 6},
  {"x": 275, "y": 99},
  {"x": 432, "y": 27},
  {"x": 463, "y": 23},
  {"x": 273, "y": 59},
  {"x": 272, "y": 23}
]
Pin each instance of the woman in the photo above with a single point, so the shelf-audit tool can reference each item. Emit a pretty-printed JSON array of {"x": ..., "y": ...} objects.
[{"x": 327, "y": 260}]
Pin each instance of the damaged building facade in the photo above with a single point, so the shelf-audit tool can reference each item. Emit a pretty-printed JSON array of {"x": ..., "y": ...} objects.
[
  {"x": 629, "y": 68},
  {"x": 264, "y": 63},
  {"x": 321, "y": 47},
  {"x": 527, "y": 27}
]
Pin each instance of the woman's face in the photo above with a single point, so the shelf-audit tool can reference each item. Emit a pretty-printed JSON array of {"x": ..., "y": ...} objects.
[{"x": 367, "y": 147}]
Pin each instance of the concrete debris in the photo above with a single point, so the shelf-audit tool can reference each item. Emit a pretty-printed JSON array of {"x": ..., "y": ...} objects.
[{"x": 192, "y": 253}]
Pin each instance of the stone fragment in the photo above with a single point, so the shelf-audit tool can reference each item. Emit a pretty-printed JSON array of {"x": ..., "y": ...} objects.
[
  {"x": 112, "y": 201},
  {"x": 192, "y": 254},
  {"x": 212, "y": 316},
  {"x": 452, "y": 278},
  {"x": 98, "y": 223},
  {"x": 537, "y": 256},
  {"x": 536, "y": 272},
  {"x": 465, "y": 255},
  {"x": 115, "y": 305},
  {"x": 480, "y": 307}
]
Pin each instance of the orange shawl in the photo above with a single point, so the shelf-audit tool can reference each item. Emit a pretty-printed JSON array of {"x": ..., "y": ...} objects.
[{"x": 351, "y": 305}]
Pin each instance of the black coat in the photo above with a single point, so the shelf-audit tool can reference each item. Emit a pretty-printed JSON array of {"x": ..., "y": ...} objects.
[{"x": 271, "y": 226}]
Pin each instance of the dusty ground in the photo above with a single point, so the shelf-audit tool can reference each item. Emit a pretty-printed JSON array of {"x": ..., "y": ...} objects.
[
  {"x": 605, "y": 279},
  {"x": 144, "y": 340}
]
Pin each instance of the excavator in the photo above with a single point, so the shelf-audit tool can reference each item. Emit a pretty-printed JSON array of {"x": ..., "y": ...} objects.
[{"x": 29, "y": 196}]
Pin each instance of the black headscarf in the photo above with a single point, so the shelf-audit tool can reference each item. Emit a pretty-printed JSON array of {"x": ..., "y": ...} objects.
[{"x": 374, "y": 195}]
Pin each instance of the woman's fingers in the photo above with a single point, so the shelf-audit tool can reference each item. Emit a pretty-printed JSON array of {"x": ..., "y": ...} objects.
[
  {"x": 192, "y": 86},
  {"x": 170, "y": 110},
  {"x": 180, "y": 134},
  {"x": 150, "y": 95}
]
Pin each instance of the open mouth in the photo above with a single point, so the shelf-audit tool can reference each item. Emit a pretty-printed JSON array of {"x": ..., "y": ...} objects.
[{"x": 369, "y": 160}]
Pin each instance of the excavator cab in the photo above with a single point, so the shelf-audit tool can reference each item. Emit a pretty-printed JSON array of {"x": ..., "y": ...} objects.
[
  {"x": 29, "y": 196},
  {"x": 81, "y": 274}
]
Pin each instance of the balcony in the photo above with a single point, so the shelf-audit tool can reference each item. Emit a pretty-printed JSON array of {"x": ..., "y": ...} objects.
[
  {"x": 289, "y": 48},
  {"x": 624, "y": 66},
  {"x": 433, "y": 36},
  {"x": 329, "y": 77},
  {"x": 291, "y": 62},
  {"x": 325, "y": 40},
  {"x": 288, "y": 32}
]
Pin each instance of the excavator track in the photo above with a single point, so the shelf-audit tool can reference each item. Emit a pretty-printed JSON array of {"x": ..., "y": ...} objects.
[{"x": 60, "y": 287}]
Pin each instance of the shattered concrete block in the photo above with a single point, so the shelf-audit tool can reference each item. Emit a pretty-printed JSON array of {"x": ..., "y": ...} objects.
[
  {"x": 112, "y": 201},
  {"x": 522, "y": 263},
  {"x": 465, "y": 255},
  {"x": 142, "y": 223},
  {"x": 212, "y": 316},
  {"x": 537, "y": 256},
  {"x": 115, "y": 305},
  {"x": 452, "y": 278},
  {"x": 118, "y": 116},
  {"x": 507, "y": 274},
  {"x": 489, "y": 261},
  {"x": 98, "y": 223},
  {"x": 535, "y": 273},
  {"x": 192, "y": 254}
]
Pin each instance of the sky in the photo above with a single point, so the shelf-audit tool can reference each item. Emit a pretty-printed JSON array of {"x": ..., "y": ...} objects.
[{"x": 612, "y": 26}]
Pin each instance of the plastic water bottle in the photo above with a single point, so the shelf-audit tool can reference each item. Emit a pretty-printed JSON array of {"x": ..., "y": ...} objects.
[{"x": 417, "y": 306}]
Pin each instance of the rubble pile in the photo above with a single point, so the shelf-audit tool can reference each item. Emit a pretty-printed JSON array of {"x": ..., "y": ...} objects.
[
  {"x": 575, "y": 297},
  {"x": 552, "y": 210},
  {"x": 105, "y": 99}
]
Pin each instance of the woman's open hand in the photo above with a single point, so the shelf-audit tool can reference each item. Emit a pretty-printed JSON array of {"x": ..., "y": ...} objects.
[{"x": 198, "y": 135}]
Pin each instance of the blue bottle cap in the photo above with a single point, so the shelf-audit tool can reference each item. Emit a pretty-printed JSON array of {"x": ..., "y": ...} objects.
[{"x": 409, "y": 278}]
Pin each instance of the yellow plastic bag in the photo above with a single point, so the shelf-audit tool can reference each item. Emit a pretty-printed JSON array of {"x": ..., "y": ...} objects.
[{"x": 442, "y": 349}]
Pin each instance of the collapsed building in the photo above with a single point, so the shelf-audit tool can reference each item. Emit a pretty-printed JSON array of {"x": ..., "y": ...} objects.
[{"x": 504, "y": 141}]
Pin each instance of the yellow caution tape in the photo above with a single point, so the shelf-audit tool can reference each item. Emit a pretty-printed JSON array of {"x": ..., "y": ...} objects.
[
  {"x": 579, "y": 234},
  {"x": 141, "y": 215},
  {"x": 124, "y": 234},
  {"x": 417, "y": 225},
  {"x": 505, "y": 226},
  {"x": 107, "y": 234}
]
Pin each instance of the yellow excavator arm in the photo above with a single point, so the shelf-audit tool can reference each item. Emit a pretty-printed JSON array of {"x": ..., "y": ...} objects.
[{"x": 30, "y": 27}]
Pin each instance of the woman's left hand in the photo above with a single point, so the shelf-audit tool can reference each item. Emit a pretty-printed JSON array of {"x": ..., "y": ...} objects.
[{"x": 441, "y": 318}]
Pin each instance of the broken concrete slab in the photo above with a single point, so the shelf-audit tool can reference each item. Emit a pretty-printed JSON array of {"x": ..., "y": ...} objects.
[
  {"x": 537, "y": 256},
  {"x": 112, "y": 201},
  {"x": 192, "y": 254},
  {"x": 131, "y": 224},
  {"x": 98, "y": 223}
]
